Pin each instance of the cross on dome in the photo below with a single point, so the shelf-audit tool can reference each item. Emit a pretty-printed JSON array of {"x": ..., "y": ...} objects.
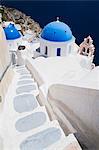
[{"x": 57, "y": 18}]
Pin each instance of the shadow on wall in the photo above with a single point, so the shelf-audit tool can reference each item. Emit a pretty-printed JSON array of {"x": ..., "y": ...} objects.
[{"x": 81, "y": 107}]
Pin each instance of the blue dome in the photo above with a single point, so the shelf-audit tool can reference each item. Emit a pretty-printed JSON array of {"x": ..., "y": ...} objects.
[
  {"x": 57, "y": 32},
  {"x": 11, "y": 32}
]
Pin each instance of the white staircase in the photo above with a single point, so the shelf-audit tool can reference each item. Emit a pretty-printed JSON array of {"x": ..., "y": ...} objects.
[{"x": 28, "y": 124}]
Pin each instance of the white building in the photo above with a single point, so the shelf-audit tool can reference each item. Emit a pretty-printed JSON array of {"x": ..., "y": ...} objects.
[{"x": 56, "y": 39}]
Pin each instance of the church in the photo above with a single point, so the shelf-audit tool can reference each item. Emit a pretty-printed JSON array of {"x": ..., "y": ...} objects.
[{"x": 56, "y": 39}]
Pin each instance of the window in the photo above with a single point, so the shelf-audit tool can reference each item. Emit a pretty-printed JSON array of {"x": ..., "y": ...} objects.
[
  {"x": 58, "y": 51},
  {"x": 87, "y": 40},
  {"x": 46, "y": 50},
  {"x": 83, "y": 49},
  {"x": 38, "y": 49},
  {"x": 88, "y": 50}
]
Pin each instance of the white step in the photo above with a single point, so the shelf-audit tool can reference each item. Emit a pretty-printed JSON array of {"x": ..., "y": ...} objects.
[
  {"x": 21, "y": 70},
  {"x": 24, "y": 72},
  {"x": 40, "y": 139},
  {"x": 20, "y": 67},
  {"x": 27, "y": 76},
  {"x": 25, "y": 102},
  {"x": 29, "y": 88},
  {"x": 25, "y": 81},
  {"x": 33, "y": 120}
]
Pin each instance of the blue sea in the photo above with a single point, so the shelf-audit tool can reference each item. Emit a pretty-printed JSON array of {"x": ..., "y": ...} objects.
[{"x": 81, "y": 16}]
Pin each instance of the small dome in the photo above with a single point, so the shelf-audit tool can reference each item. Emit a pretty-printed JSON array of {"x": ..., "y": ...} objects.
[
  {"x": 11, "y": 32},
  {"x": 56, "y": 31}
]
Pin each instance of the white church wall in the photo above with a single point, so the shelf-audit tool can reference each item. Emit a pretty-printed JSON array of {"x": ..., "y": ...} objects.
[
  {"x": 42, "y": 47},
  {"x": 13, "y": 44},
  {"x": 51, "y": 51},
  {"x": 52, "y": 47}
]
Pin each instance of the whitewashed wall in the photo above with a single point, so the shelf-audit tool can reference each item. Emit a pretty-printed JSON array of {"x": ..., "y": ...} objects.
[
  {"x": 52, "y": 47},
  {"x": 81, "y": 107},
  {"x": 4, "y": 53}
]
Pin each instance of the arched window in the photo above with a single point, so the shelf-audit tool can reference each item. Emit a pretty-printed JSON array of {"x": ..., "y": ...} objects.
[
  {"x": 83, "y": 49},
  {"x": 88, "y": 50},
  {"x": 46, "y": 50},
  {"x": 38, "y": 49},
  {"x": 87, "y": 40}
]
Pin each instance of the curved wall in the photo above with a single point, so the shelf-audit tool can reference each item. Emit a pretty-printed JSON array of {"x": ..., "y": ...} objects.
[
  {"x": 81, "y": 107},
  {"x": 66, "y": 47}
]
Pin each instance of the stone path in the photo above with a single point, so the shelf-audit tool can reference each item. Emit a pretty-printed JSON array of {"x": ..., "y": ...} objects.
[{"x": 24, "y": 124}]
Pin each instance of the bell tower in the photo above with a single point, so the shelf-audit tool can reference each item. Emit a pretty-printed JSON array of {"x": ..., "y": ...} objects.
[{"x": 87, "y": 49}]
